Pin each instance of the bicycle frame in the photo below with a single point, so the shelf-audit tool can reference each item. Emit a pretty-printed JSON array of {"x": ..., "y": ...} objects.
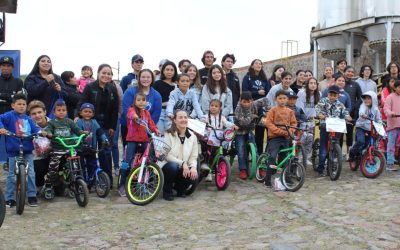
[
  {"x": 219, "y": 151},
  {"x": 72, "y": 152},
  {"x": 292, "y": 154},
  {"x": 20, "y": 157},
  {"x": 331, "y": 140}
]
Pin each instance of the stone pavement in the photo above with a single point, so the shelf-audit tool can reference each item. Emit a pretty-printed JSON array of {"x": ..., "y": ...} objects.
[{"x": 351, "y": 213}]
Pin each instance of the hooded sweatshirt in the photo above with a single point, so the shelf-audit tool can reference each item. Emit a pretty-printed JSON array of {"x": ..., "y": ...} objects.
[
  {"x": 272, "y": 92},
  {"x": 130, "y": 80},
  {"x": 187, "y": 102},
  {"x": 307, "y": 107},
  {"x": 367, "y": 85},
  {"x": 392, "y": 107},
  {"x": 372, "y": 112},
  {"x": 255, "y": 84},
  {"x": 225, "y": 98}
]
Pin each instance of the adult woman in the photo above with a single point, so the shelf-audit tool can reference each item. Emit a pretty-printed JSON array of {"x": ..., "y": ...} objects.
[
  {"x": 195, "y": 82},
  {"x": 257, "y": 83},
  {"x": 393, "y": 70},
  {"x": 365, "y": 80},
  {"x": 146, "y": 79},
  {"x": 43, "y": 85},
  {"x": 180, "y": 167},
  {"x": 308, "y": 74},
  {"x": 328, "y": 79},
  {"x": 104, "y": 96},
  {"x": 164, "y": 86},
  {"x": 216, "y": 88},
  {"x": 276, "y": 75}
]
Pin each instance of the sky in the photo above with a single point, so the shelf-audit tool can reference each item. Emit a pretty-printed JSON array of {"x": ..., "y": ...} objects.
[{"x": 91, "y": 32}]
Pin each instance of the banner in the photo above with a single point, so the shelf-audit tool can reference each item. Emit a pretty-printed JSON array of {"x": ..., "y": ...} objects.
[{"x": 16, "y": 55}]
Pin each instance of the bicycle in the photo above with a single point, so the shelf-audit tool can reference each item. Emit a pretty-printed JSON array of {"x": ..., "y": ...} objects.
[
  {"x": 98, "y": 178},
  {"x": 371, "y": 160},
  {"x": 21, "y": 171},
  {"x": 300, "y": 150},
  {"x": 72, "y": 171},
  {"x": 146, "y": 178},
  {"x": 293, "y": 173},
  {"x": 2, "y": 207}
]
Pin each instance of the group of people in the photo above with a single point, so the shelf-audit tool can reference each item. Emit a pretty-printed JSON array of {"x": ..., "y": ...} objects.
[{"x": 105, "y": 111}]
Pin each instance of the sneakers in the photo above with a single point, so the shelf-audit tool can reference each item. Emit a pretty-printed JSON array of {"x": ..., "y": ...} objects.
[
  {"x": 168, "y": 197},
  {"x": 309, "y": 163},
  {"x": 391, "y": 167},
  {"x": 122, "y": 191},
  {"x": 261, "y": 172},
  {"x": 11, "y": 203},
  {"x": 268, "y": 184},
  {"x": 321, "y": 175},
  {"x": 243, "y": 174},
  {"x": 209, "y": 178},
  {"x": 116, "y": 172},
  {"x": 204, "y": 166},
  {"x": 32, "y": 202},
  {"x": 48, "y": 192}
]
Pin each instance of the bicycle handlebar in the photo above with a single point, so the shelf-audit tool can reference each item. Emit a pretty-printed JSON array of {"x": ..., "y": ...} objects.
[
  {"x": 11, "y": 134},
  {"x": 144, "y": 124},
  {"x": 62, "y": 141}
]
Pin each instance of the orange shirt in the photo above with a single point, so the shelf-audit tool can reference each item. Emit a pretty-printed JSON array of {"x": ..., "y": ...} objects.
[{"x": 279, "y": 115}]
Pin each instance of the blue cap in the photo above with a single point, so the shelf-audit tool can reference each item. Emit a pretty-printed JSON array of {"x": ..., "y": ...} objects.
[
  {"x": 291, "y": 94},
  {"x": 87, "y": 106}
]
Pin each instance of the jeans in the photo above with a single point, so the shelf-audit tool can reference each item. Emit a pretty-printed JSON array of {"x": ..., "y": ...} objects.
[
  {"x": 41, "y": 168},
  {"x": 164, "y": 123},
  {"x": 114, "y": 146},
  {"x": 274, "y": 145},
  {"x": 124, "y": 133},
  {"x": 259, "y": 138},
  {"x": 361, "y": 142},
  {"x": 3, "y": 153},
  {"x": 105, "y": 159},
  {"x": 241, "y": 147},
  {"x": 88, "y": 165},
  {"x": 173, "y": 174},
  {"x": 31, "y": 191},
  {"x": 323, "y": 147},
  {"x": 131, "y": 149},
  {"x": 391, "y": 145}
]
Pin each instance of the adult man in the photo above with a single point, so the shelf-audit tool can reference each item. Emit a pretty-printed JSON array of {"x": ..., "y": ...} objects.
[
  {"x": 131, "y": 79},
  {"x": 227, "y": 62},
  {"x": 299, "y": 83},
  {"x": 208, "y": 60},
  {"x": 183, "y": 64},
  {"x": 341, "y": 65}
]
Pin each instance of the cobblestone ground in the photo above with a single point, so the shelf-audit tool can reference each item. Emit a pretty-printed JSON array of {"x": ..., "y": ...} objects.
[{"x": 351, "y": 213}]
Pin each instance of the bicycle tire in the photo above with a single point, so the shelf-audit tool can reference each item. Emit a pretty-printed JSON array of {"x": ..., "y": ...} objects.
[
  {"x": 262, "y": 164},
  {"x": 222, "y": 174},
  {"x": 315, "y": 154},
  {"x": 102, "y": 184},
  {"x": 20, "y": 189},
  {"x": 378, "y": 164},
  {"x": 253, "y": 164},
  {"x": 2, "y": 207},
  {"x": 335, "y": 162},
  {"x": 81, "y": 192},
  {"x": 301, "y": 151},
  {"x": 134, "y": 190},
  {"x": 293, "y": 176}
]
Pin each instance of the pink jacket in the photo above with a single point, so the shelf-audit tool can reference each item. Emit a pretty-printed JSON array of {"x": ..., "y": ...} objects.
[
  {"x": 392, "y": 107},
  {"x": 82, "y": 82}
]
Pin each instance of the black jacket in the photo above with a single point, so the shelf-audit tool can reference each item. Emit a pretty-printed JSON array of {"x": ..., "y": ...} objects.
[
  {"x": 72, "y": 100},
  {"x": 234, "y": 86},
  {"x": 353, "y": 89},
  {"x": 203, "y": 75},
  {"x": 94, "y": 94},
  {"x": 8, "y": 88}
]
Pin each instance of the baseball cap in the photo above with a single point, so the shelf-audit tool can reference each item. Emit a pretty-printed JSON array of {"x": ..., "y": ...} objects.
[
  {"x": 87, "y": 106},
  {"x": 334, "y": 89},
  {"x": 291, "y": 94},
  {"x": 137, "y": 57},
  {"x": 7, "y": 60}
]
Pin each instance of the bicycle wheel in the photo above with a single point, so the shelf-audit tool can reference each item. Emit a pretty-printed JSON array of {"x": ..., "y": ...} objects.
[
  {"x": 2, "y": 207},
  {"x": 335, "y": 162},
  {"x": 262, "y": 164},
  {"x": 252, "y": 152},
  {"x": 145, "y": 191},
  {"x": 81, "y": 193},
  {"x": 20, "y": 189},
  {"x": 222, "y": 173},
  {"x": 373, "y": 168},
  {"x": 301, "y": 153},
  {"x": 293, "y": 176},
  {"x": 315, "y": 154},
  {"x": 102, "y": 184}
]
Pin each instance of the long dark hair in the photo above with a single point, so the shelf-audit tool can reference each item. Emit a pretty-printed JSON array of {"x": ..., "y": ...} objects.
[
  {"x": 196, "y": 82},
  {"x": 308, "y": 91},
  {"x": 167, "y": 63},
  {"x": 276, "y": 67},
  {"x": 390, "y": 64},
  {"x": 140, "y": 86},
  {"x": 212, "y": 84},
  {"x": 35, "y": 69},
  {"x": 252, "y": 73},
  {"x": 173, "y": 130}
]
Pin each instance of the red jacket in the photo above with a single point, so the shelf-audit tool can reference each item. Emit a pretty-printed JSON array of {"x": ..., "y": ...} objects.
[{"x": 137, "y": 132}]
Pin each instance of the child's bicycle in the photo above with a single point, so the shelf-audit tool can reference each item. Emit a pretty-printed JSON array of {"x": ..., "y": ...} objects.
[
  {"x": 21, "y": 170},
  {"x": 72, "y": 171},
  {"x": 371, "y": 160},
  {"x": 293, "y": 173},
  {"x": 2, "y": 207},
  {"x": 98, "y": 178},
  {"x": 146, "y": 178},
  {"x": 300, "y": 150}
]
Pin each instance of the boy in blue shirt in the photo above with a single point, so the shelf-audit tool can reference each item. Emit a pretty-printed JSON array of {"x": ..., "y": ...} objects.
[{"x": 18, "y": 122}]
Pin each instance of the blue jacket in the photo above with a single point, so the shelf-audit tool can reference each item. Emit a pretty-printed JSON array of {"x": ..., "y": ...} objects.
[
  {"x": 127, "y": 80},
  {"x": 94, "y": 128},
  {"x": 153, "y": 104},
  {"x": 20, "y": 125},
  {"x": 187, "y": 102},
  {"x": 254, "y": 85},
  {"x": 343, "y": 98}
]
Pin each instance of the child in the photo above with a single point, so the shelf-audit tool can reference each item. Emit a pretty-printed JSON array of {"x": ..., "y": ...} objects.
[
  {"x": 291, "y": 103},
  {"x": 369, "y": 109},
  {"x": 245, "y": 119},
  {"x": 386, "y": 91},
  {"x": 18, "y": 122},
  {"x": 391, "y": 108},
  {"x": 86, "y": 123},
  {"x": 72, "y": 90},
  {"x": 137, "y": 136},
  {"x": 61, "y": 126},
  {"x": 87, "y": 77},
  {"x": 328, "y": 107},
  {"x": 278, "y": 136},
  {"x": 183, "y": 98}
]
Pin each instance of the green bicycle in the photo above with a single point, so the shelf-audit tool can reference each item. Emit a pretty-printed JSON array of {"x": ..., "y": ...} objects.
[{"x": 293, "y": 173}]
